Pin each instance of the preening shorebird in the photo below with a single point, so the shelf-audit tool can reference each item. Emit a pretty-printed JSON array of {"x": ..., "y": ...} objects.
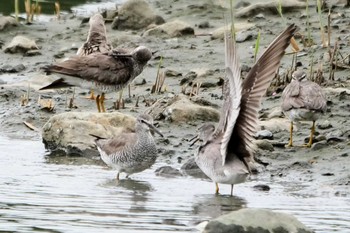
[
  {"x": 106, "y": 72},
  {"x": 225, "y": 153},
  {"x": 303, "y": 100}
]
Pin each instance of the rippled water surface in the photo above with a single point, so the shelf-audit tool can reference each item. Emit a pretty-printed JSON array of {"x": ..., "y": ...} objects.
[{"x": 55, "y": 194}]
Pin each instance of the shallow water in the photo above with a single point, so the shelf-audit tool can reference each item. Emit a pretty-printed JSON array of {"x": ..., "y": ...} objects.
[
  {"x": 61, "y": 194},
  {"x": 79, "y": 7}
]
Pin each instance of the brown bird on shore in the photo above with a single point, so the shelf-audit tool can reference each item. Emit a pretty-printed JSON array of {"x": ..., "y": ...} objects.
[
  {"x": 106, "y": 72},
  {"x": 96, "y": 42},
  {"x": 303, "y": 100},
  {"x": 225, "y": 153}
]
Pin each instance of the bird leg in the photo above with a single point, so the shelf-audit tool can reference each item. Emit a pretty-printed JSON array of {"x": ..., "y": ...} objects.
[
  {"x": 290, "y": 144},
  {"x": 98, "y": 103},
  {"x": 117, "y": 176},
  {"x": 231, "y": 189},
  {"x": 92, "y": 95},
  {"x": 216, "y": 188},
  {"x": 311, "y": 134},
  {"x": 102, "y": 102}
]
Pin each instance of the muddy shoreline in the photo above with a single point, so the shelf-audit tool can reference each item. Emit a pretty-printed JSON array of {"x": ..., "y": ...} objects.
[{"x": 323, "y": 168}]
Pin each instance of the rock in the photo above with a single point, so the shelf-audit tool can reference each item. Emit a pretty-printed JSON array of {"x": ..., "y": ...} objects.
[
  {"x": 275, "y": 125},
  {"x": 171, "y": 29},
  {"x": 242, "y": 36},
  {"x": 287, "y": 5},
  {"x": 191, "y": 168},
  {"x": 204, "y": 24},
  {"x": 325, "y": 125},
  {"x": 70, "y": 132},
  {"x": 264, "y": 145},
  {"x": 12, "y": 69},
  {"x": 20, "y": 44},
  {"x": 183, "y": 110},
  {"x": 167, "y": 171},
  {"x": 6, "y": 22},
  {"x": 31, "y": 53},
  {"x": 256, "y": 221},
  {"x": 264, "y": 134},
  {"x": 261, "y": 187},
  {"x": 135, "y": 14},
  {"x": 319, "y": 145},
  {"x": 172, "y": 73},
  {"x": 220, "y": 32}
]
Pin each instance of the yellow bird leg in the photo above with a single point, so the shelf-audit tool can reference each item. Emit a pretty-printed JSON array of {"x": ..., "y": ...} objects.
[
  {"x": 311, "y": 134},
  {"x": 98, "y": 103},
  {"x": 231, "y": 189},
  {"x": 290, "y": 144},
  {"x": 92, "y": 95},
  {"x": 102, "y": 102},
  {"x": 216, "y": 188}
]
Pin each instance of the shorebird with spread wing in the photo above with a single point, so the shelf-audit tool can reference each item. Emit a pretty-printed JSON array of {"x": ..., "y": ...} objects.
[{"x": 225, "y": 153}]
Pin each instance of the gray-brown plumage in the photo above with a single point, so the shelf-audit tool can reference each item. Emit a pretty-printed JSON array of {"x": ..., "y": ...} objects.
[
  {"x": 106, "y": 72},
  {"x": 131, "y": 152},
  {"x": 303, "y": 100},
  {"x": 225, "y": 153},
  {"x": 97, "y": 38}
]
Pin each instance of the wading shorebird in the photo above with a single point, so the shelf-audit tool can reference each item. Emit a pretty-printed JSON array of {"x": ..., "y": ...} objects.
[
  {"x": 303, "y": 100},
  {"x": 130, "y": 152},
  {"x": 107, "y": 72},
  {"x": 225, "y": 153}
]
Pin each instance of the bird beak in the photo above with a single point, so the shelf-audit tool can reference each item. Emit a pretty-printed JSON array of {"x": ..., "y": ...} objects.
[
  {"x": 152, "y": 127},
  {"x": 194, "y": 139}
]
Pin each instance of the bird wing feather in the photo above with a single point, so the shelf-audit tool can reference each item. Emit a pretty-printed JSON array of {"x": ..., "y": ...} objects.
[
  {"x": 232, "y": 95},
  {"x": 116, "y": 144},
  {"x": 254, "y": 87}
]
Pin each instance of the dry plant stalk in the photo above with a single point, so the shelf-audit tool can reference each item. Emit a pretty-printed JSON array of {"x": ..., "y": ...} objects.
[
  {"x": 58, "y": 10},
  {"x": 27, "y": 7},
  {"x": 16, "y": 10},
  {"x": 319, "y": 74},
  {"x": 319, "y": 11},
  {"x": 334, "y": 58},
  {"x": 329, "y": 28},
  {"x": 46, "y": 104},
  {"x": 159, "y": 79},
  {"x": 295, "y": 45},
  {"x": 30, "y": 126}
]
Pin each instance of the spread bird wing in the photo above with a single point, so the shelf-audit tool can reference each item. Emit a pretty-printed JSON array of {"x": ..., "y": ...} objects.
[
  {"x": 254, "y": 87},
  {"x": 232, "y": 94},
  {"x": 97, "y": 38}
]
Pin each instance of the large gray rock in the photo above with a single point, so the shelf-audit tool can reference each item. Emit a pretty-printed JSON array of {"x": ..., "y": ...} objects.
[
  {"x": 220, "y": 32},
  {"x": 179, "y": 109},
  {"x": 6, "y": 22},
  {"x": 135, "y": 14},
  {"x": 256, "y": 221},
  {"x": 70, "y": 132},
  {"x": 20, "y": 44},
  {"x": 171, "y": 29}
]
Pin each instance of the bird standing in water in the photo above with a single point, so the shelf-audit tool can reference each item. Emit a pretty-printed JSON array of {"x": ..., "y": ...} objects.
[
  {"x": 303, "y": 100},
  {"x": 131, "y": 152},
  {"x": 225, "y": 153}
]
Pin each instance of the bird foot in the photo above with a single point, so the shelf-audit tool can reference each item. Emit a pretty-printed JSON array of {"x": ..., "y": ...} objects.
[{"x": 308, "y": 145}]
